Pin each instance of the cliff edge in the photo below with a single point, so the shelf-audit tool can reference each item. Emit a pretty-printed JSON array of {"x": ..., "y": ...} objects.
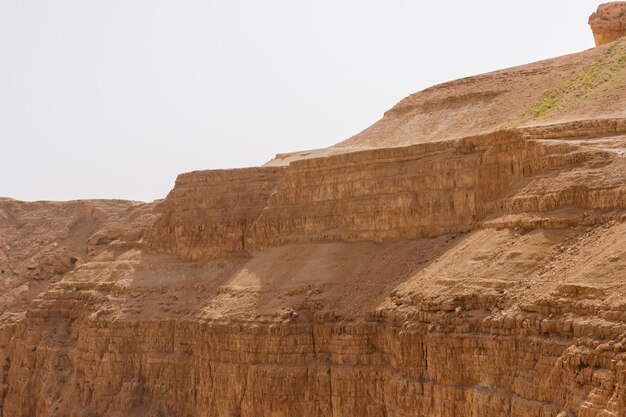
[{"x": 462, "y": 257}]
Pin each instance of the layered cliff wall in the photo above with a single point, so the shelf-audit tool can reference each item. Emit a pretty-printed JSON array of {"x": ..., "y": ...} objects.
[
  {"x": 475, "y": 277},
  {"x": 462, "y": 257},
  {"x": 502, "y": 333},
  {"x": 209, "y": 213},
  {"x": 384, "y": 195},
  {"x": 40, "y": 242}
]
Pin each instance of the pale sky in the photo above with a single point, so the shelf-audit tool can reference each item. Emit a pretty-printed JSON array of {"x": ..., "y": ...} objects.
[{"x": 114, "y": 98}]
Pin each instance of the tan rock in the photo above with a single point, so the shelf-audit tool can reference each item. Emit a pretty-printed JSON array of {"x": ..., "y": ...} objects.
[
  {"x": 462, "y": 257},
  {"x": 608, "y": 23}
]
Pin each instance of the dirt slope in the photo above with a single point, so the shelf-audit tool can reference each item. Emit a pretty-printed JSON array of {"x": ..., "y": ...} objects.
[{"x": 587, "y": 85}]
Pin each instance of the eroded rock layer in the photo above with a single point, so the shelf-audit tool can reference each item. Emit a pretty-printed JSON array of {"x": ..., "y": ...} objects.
[
  {"x": 385, "y": 195},
  {"x": 496, "y": 288},
  {"x": 401, "y": 273}
]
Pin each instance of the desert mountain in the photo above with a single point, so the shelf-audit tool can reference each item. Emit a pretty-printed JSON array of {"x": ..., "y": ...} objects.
[{"x": 464, "y": 256}]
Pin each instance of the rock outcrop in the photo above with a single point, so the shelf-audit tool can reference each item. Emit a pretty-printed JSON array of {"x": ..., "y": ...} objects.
[
  {"x": 474, "y": 277},
  {"x": 385, "y": 195},
  {"x": 411, "y": 270},
  {"x": 609, "y": 22}
]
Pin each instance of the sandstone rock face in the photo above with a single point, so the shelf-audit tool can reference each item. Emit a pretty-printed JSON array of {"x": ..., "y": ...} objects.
[
  {"x": 496, "y": 288},
  {"x": 609, "y": 22},
  {"x": 400, "y": 273},
  {"x": 380, "y": 195},
  {"x": 208, "y": 213}
]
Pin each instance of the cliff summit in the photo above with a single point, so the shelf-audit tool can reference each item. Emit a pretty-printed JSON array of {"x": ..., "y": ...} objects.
[{"x": 608, "y": 23}]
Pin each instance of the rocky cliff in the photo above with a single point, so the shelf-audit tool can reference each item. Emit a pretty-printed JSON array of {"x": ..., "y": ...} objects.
[
  {"x": 609, "y": 22},
  {"x": 411, "y": 270}
]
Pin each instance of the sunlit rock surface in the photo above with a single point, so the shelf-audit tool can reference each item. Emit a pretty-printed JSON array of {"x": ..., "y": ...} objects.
[{"x": 462, "y": 257}]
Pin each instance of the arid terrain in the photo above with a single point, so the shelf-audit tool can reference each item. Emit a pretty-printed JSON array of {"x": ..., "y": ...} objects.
[{"x": 464, "y": 256}]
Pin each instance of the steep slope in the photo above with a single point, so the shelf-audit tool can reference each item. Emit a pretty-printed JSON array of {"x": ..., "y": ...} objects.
[
  {"x": 496, "y": 288},
  {"x": 463, "y": 257},
  {"x": 41, "y": 242},
  {"x": 589, "y": 85}
]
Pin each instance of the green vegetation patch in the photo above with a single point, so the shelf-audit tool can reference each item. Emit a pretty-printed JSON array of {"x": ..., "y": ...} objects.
[
  {"x": 580, "y": 85},
  {"x": 542, "y": 106}
]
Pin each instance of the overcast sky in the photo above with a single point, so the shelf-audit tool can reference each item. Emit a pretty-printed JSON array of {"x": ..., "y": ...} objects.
[{"x": 114, "y": 98}]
